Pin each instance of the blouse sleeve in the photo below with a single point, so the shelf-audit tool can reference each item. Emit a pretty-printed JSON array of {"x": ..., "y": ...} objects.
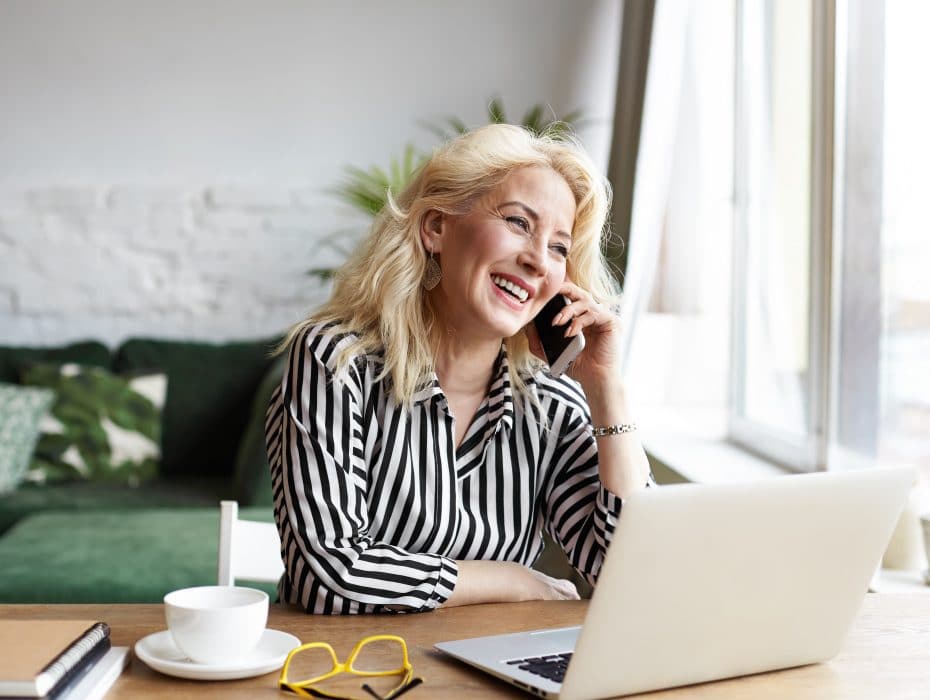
[
  {"x": 315, "y": 445},
  {"x": 581, "y": 513}
]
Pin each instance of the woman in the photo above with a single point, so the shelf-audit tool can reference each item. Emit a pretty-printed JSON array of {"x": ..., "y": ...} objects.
[{"x": 417, "y": 444}]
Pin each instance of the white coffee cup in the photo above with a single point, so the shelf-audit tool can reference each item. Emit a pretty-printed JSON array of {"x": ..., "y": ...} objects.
[{"x": 216, "y": 624}]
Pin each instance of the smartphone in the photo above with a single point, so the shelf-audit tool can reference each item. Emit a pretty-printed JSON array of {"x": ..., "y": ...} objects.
[{"x": 560, "y": 351}]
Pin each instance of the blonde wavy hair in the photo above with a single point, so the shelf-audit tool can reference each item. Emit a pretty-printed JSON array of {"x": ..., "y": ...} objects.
[{"x": 378, "y": 295}]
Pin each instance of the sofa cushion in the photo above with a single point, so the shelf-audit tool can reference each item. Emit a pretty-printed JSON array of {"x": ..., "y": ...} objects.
[
  {"x": 113, "y": 556},
  {"x": 101, "y": 427},
  {"x": 88, "y": 496},
  {"x": 210, "y": 393},
  {"x": 13, "y": 359},
  {"x": 21, "y": 411}
]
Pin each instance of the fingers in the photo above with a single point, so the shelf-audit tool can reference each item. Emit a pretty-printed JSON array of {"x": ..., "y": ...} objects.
[
  {"x": 556, "y": 588},
  {"x": 583, "y": 311},
  {"x": 579, "y": 322},
  {"x": 576, "y": 294},
  {"x": 561, "y": 589},
  {"x": 566, "y": 590}
]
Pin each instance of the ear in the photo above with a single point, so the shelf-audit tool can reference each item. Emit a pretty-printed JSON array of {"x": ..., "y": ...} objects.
[{"x": 431, "y": 230}]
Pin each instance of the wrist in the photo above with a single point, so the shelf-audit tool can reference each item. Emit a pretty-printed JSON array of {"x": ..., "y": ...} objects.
[
  {"x": 607, "y": 387},
  {"x": 608, "y": 405},
  {"x": 485, "y": 581},
  {"x": 522, "y": 583}
]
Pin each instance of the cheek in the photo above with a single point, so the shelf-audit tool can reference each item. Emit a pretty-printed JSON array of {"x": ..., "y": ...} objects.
[{"x": 555, "y": 279}]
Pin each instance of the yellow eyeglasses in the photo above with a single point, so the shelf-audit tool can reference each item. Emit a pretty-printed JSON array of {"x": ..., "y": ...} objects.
[{"x": 378, "y": 655}]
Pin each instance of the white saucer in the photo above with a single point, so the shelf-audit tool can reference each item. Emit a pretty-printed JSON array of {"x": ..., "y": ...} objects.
[{"x": 159, "y": 652}]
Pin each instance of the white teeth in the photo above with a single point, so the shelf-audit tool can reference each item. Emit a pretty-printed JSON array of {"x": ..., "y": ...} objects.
[{"x": 514, "y": 289}]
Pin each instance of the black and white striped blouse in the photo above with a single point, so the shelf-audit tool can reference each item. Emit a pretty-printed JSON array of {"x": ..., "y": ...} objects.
[{"x": 374, "y": 503}]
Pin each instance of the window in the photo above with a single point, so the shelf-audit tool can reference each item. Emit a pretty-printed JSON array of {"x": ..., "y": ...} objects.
[
  {"x": 773, "y": 370},
  {"x": 790, "y": 307}
]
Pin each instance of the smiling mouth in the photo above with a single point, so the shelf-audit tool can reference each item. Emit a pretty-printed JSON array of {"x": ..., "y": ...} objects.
[{"x": 514, "y": 290}]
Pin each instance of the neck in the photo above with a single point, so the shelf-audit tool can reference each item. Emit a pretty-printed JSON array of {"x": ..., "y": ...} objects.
[{"x": 465, "y": 366}]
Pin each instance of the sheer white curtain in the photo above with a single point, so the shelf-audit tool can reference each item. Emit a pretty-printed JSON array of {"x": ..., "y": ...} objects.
[{"x": 655, "y": 158}]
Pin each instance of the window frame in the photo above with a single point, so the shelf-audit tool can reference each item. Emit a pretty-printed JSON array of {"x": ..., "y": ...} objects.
[{"x": 858, "y": 213}]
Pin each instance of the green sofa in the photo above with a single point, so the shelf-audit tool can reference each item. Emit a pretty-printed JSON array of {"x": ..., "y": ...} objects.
[
  {"x": 95, "y": 542},
  {"x": 104, "y": 542}
]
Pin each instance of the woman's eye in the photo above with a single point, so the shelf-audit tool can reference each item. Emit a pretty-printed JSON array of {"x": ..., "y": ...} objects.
[
  {"x": 561, "y": 250},
  {"x": 519, "y": 221}
]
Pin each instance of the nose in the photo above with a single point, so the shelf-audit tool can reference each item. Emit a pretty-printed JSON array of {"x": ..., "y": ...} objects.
[{"x": 533, "y": 257}]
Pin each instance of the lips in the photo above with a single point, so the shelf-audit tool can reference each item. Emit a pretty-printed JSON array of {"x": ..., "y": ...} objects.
[{"x": 511, "y": 287}]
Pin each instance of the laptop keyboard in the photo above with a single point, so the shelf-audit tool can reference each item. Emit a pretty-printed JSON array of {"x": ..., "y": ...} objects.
[{"x": 552, "y": 666}]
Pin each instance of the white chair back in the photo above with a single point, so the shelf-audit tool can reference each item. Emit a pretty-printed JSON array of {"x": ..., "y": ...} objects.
[{"x": 248, "y": 549}]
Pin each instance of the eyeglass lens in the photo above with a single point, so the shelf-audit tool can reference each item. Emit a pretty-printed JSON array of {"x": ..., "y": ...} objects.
[
  {"x": 379, "y": 656},
  {"x": 309, "y": 663}
]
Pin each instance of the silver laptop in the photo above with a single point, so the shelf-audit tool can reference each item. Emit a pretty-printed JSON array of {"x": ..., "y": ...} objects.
[{"x": 704, "y": 582}]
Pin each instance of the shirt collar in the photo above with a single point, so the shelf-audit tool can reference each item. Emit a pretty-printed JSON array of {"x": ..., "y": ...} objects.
[
  {"x": 500, "y": 409},
  {"x": 429, "y": 389},
  {"x": 500, "y": 394}
]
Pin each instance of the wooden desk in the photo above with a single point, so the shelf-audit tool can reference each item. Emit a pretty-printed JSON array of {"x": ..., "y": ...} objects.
[{"x": 886, "y": 656}]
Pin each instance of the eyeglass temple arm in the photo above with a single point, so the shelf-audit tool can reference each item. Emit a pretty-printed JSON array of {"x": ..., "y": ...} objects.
[{"x": 410, "y": 685}]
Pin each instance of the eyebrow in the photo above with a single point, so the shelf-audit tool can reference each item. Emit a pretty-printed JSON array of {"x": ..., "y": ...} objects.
[{"x": 535, "y": 217}]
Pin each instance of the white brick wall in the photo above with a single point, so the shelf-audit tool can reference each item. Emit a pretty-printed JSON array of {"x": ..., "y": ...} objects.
[{"x": 211, "y": 263}]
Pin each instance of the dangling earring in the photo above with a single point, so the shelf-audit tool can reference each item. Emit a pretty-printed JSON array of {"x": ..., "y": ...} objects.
[{"x": 433, "y": 273}]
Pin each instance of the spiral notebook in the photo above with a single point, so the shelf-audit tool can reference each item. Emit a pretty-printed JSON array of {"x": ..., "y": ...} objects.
[
  {"x": 94, "y": 684},
  {"x": 41, "y": 657}
]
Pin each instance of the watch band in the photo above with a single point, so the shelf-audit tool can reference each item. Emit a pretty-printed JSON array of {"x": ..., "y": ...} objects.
[{"x": 603, "y": 430}]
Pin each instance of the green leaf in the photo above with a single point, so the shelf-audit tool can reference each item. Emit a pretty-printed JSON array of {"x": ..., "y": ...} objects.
[
  {"x": 324, "y": 274},
  {"x": 409, "y": 159},
  {"x": 572, "y": 118},
  {"x": 532, "y": 120},
  {"x": 379, "y": 176},
  {"x": 395, "y": 172},
  {"x": 496, "y": 111},
  {"x": 558, "y": 130},
  {"x": 438, "y": 130},
  {"x": 363, "y": 190},
  {"x": 457, "y": 125}
]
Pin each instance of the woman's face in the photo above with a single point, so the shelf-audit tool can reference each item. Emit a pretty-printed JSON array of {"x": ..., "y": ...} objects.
[{"x": 506, "y": 258}]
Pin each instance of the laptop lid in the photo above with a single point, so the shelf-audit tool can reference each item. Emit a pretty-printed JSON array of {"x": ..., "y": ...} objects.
[
  {"x": 704, "y": 582},
  {"x": 711, "y": 581}
]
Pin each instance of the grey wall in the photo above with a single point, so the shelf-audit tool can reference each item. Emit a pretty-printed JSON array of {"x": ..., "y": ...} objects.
[{"x": 164, "y": 165}]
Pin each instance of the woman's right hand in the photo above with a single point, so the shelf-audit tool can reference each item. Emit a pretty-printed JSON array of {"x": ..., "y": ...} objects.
[
  {"x": 506, "y": 582},
  {"x": 539, "y": 586}
]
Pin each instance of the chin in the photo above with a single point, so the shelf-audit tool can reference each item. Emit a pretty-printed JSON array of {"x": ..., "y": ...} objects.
[{"x": 507, "y": 330}]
